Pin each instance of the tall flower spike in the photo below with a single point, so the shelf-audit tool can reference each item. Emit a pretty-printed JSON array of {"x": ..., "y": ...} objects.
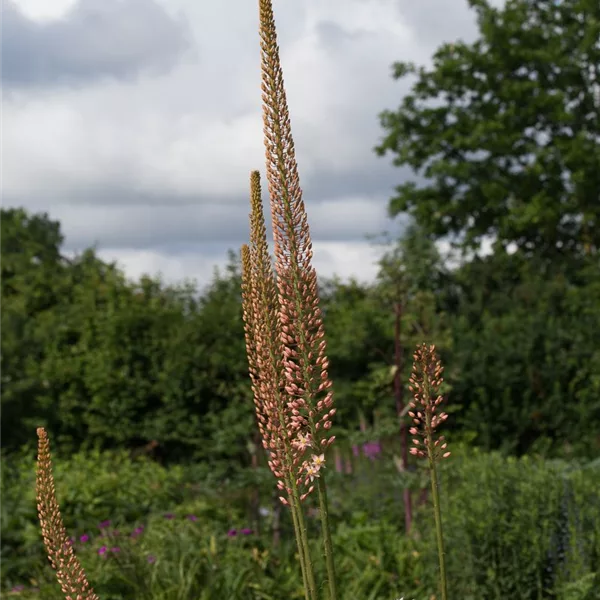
[
  {"x": 301, "y": 331},
  {"x": 265, "y": 349},
  {"x": 265, "y": 355},
  {"x": 69, "y": 572},
  {"x": 305, "y": 362},
  {"x": 425, "y": 382}
]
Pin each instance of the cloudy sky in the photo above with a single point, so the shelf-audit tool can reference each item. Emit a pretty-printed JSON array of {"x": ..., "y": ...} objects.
[{"x": 136, "y": 123}]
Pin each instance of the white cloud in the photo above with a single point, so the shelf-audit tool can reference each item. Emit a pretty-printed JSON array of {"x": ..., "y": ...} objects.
[
  {"x": 138, "y": 166},
  {"x": 45, "y": 10},
  {"x": 344, "y": 259}
]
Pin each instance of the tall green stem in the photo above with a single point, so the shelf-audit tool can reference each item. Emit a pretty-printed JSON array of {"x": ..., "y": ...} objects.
[
  {"x": 326, "y": 532},
  {"x": 308, "y": 575},
  {"x": 308, "y": 592},
  {"x": 438, "y": 518}
]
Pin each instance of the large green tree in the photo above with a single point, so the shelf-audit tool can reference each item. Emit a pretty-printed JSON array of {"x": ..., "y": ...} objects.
[{"x": 504, "y": 133}]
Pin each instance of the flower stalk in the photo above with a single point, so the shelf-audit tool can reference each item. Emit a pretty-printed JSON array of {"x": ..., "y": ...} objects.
[
  {"x": 425, "y": 381},
  {"x": 69, "y": 572},
  {"x": 264, "y": 349},
  {"x": 285, "y": 337}
]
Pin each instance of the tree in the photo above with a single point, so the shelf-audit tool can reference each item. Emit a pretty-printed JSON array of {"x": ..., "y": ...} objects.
[
  {"x": 506, "y": 131},
  {"x": 98, "y": 359},
  {"x": 32, "y": 272},
  {"x": 525, "y": 361}
]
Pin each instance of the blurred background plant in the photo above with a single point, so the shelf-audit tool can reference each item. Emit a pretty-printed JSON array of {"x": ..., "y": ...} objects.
[{"x": 526, "y": 528}]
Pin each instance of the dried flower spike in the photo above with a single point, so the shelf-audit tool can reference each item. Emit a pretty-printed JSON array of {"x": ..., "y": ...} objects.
[{"x": 69, "y": 572}]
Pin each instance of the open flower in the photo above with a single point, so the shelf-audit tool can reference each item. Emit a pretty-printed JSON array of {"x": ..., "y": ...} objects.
[
  {"x": 318, "y": 461},
  {"x": 302, "y": 441},
  {"x": 311, "y": 471}
]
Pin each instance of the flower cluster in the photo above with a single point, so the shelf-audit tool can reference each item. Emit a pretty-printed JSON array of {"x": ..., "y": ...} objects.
[
  {"x": 286, "y": 381},
  {"x": 425, "y": 382},
  {"x": 69, "y": 572},
  {"x": 285, "y": 338}
]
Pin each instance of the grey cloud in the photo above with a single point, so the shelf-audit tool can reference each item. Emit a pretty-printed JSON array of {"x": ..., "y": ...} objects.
[
  {"x": 144, "y": 227},
  {"x": 343, "y": 206},
  {"x": 375, "y": 179},
  {"x": 436, "y": 25},
  {"x": 95, "y": 39}
]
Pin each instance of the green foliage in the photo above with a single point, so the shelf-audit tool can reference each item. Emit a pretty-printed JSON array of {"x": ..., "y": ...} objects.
[
  {"x": 101, "y": 361},
  {"x": 523, "y": 528},
  {"x": 525, "y": 361},
  {"x": 360, "y": 325},
  {"x": 505, "y": 130},
  {"x": 91, "y": 488},
  {"x": 32, "y": 274},
  {"x": 97, "y": 359},
  {"x": 358, "y": 337},
  {"x": 517, "y": 528}
]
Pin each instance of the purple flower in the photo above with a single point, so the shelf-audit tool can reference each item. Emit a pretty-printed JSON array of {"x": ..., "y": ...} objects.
[
  {"x": 104, "y": 524},
  {"x": 137, "y": 531},
  {"x": 372, "y": 449},
  {"x": 169, "y": 516},
  {"x": 102, "y": 550},
  {"x": 115, "y": 549},
  {"x": 355, "y": 450},
  {"x": 18, "y": 588},
  {"x": 84, "y": 538},
  {"x": 232, "y": 532},
  {"x": 70, "y": 541},
  {"x": 192, "y": 517},
  {"x": 151, "y": 559},
  {"x": 246, "y": 531}
]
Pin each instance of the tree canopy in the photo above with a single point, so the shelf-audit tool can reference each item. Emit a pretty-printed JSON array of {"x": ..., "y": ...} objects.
[
  {"x": 504, "y": 133},
  {"x": 99, "y": 359}
]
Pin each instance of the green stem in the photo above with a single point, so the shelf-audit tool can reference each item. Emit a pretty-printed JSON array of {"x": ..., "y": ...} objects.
[
  {"x": 308, "y": 575},
  {"x": 438, "y": 518},
  {"x": 307, "y": 591},
  {"x": 326, "y": 532}
]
